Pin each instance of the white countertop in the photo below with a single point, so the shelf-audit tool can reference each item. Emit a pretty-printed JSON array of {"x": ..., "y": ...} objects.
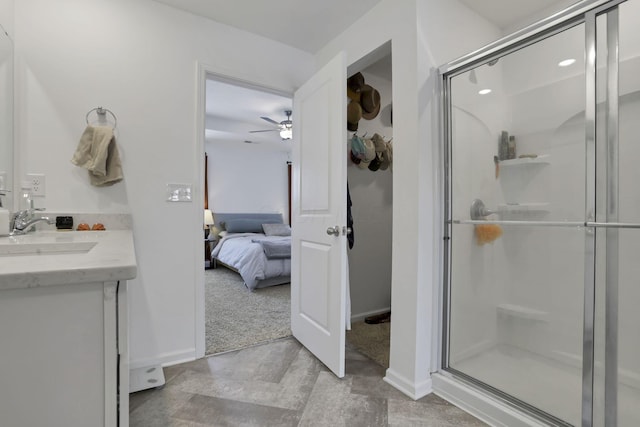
[{"x": 112, "y": 258}]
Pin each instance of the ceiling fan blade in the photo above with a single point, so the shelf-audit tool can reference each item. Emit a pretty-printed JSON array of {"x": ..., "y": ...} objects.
[
  {"x": 265, "y": 130},
  {"x": 270, "y": 121}
]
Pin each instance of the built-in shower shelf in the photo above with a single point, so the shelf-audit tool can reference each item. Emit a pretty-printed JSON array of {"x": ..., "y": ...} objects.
[
  {"x": 540, "y": 160},
  {"x": 521, "y": 312}
]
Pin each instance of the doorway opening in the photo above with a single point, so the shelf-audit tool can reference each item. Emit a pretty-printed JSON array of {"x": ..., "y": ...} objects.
[
  {"x": 246, "y": 179},
  {"x": 370, "y": 181},
  {"x": 365, "y": 304}
]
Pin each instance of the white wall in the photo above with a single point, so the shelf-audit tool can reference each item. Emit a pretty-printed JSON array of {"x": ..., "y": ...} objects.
[
  {"x": 446, "y": 30},
  {"x": 247, "y": 178},
  {"x": 372, "y": 197},
  {"x": 139, "y": 59},
  {"x": 424, "y": 35},
  {"x": 6, "y": 104},
  {"x": 6, "y": 114},
  {"x": 6, "y": 16}
]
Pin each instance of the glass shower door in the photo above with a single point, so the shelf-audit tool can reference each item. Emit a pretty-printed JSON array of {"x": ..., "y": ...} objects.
[
  {"x": 518, "y": 253},
  {"x": 543, "y": 220}
]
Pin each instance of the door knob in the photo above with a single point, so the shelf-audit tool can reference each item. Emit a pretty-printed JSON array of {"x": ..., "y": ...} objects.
[
  {"x": 346, "y": 231},
  {"x": 333, "y": 231}
]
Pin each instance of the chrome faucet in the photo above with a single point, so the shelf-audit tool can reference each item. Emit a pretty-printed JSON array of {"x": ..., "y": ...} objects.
[{"x": 23, "y": 221}]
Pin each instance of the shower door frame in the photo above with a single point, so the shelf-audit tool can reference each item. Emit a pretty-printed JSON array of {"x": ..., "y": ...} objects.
[{"x": 582, "y": 13}]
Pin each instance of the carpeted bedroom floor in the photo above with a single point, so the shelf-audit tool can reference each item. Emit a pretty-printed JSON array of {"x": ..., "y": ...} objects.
[
  {"x": 372, "y": 340},
  {"x": 237, "y": 318}
]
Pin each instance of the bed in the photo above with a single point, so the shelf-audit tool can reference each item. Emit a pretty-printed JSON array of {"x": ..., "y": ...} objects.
[{"x": 257, "y": 246}]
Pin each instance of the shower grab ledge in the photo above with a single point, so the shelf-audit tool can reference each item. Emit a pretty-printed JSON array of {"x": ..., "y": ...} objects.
[
  {"x": 540, "y": 160},
  {"x": 522, "y": 312}
]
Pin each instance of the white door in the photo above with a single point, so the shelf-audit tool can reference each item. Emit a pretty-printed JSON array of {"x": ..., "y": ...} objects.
[{"x": 319, "y": 204}]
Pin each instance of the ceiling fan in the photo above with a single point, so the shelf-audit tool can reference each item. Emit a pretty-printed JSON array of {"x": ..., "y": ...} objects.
[{"x": 284, "y": 127}]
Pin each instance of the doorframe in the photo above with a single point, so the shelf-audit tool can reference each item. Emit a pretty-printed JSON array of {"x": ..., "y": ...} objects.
[
  {"x": 361, "y": 64},
  {"x": 205, "y": 71}
]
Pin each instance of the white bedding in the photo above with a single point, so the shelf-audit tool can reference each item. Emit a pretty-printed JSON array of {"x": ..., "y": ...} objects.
[{"x": 238, "y": 251}]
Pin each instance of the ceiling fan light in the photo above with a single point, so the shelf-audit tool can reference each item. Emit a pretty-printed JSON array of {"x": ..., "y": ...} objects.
[{"x": 286, "y": 133}]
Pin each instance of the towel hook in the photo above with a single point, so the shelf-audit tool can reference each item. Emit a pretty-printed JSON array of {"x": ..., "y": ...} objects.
[{"x": 102, "y": 113}]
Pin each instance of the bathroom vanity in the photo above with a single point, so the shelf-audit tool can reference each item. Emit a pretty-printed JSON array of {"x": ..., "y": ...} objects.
[{"x": 63, "y": 328}]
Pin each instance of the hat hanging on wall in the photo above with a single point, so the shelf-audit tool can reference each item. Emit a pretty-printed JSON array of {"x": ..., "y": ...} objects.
[
  {"x": 369, "y": 154},
  {"x": 370, "y": 102},
  {"x": 354, "y": 86},
  {"x": 364, "y": 96},
  {"x": 358, "y": 148},
  {"x": 354, "y": 114},
  {"x": 379, "y": 142},
  {"x": 375, "y": 164}
]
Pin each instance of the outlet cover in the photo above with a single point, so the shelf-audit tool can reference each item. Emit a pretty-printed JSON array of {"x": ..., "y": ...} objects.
[{"x": 38, "y": 188}]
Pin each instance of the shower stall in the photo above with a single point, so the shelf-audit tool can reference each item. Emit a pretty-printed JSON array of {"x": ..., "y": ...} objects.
[{"x": 541, "y": 296}]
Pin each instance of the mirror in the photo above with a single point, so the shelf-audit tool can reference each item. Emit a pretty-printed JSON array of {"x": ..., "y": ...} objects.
[{"x": 6, "y": 119}]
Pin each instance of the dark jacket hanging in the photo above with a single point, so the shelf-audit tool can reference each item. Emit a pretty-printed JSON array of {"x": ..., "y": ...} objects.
[{"x": 350, "y": 236}]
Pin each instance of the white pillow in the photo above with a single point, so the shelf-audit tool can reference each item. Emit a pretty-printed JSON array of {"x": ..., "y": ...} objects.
[{"x": 276, "y": 229}]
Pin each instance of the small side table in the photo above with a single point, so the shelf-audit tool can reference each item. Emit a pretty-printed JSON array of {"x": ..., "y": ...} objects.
[{"x": 208, "y": 247}]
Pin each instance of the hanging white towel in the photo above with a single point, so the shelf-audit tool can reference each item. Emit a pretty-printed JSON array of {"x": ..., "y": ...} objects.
[{"x": 98, "y": 153}]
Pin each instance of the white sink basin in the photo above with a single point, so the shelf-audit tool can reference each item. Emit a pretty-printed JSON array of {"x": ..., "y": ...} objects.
[{"x": 14, "y": 248}]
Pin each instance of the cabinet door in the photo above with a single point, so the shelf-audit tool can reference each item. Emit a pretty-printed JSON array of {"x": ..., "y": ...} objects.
[{"x": 53, "y": 359}]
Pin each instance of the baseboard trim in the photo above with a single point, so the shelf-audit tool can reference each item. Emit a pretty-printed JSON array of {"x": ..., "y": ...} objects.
[
  {"x": 166, "y": 359},
  {"x": 361, "y": 316},
  {"x": 414, "y": 391}
]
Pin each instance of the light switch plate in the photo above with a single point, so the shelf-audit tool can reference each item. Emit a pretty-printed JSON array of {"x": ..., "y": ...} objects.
[{"x": 179, "y": 192}]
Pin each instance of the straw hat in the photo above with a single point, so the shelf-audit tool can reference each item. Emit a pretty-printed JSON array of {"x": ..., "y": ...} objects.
[
  {"x": 354, "y": 86},
  {"x": 354, "y": 114},
  {"x": 378, "y": 141},
  {"x": 370, "y": 102}
]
